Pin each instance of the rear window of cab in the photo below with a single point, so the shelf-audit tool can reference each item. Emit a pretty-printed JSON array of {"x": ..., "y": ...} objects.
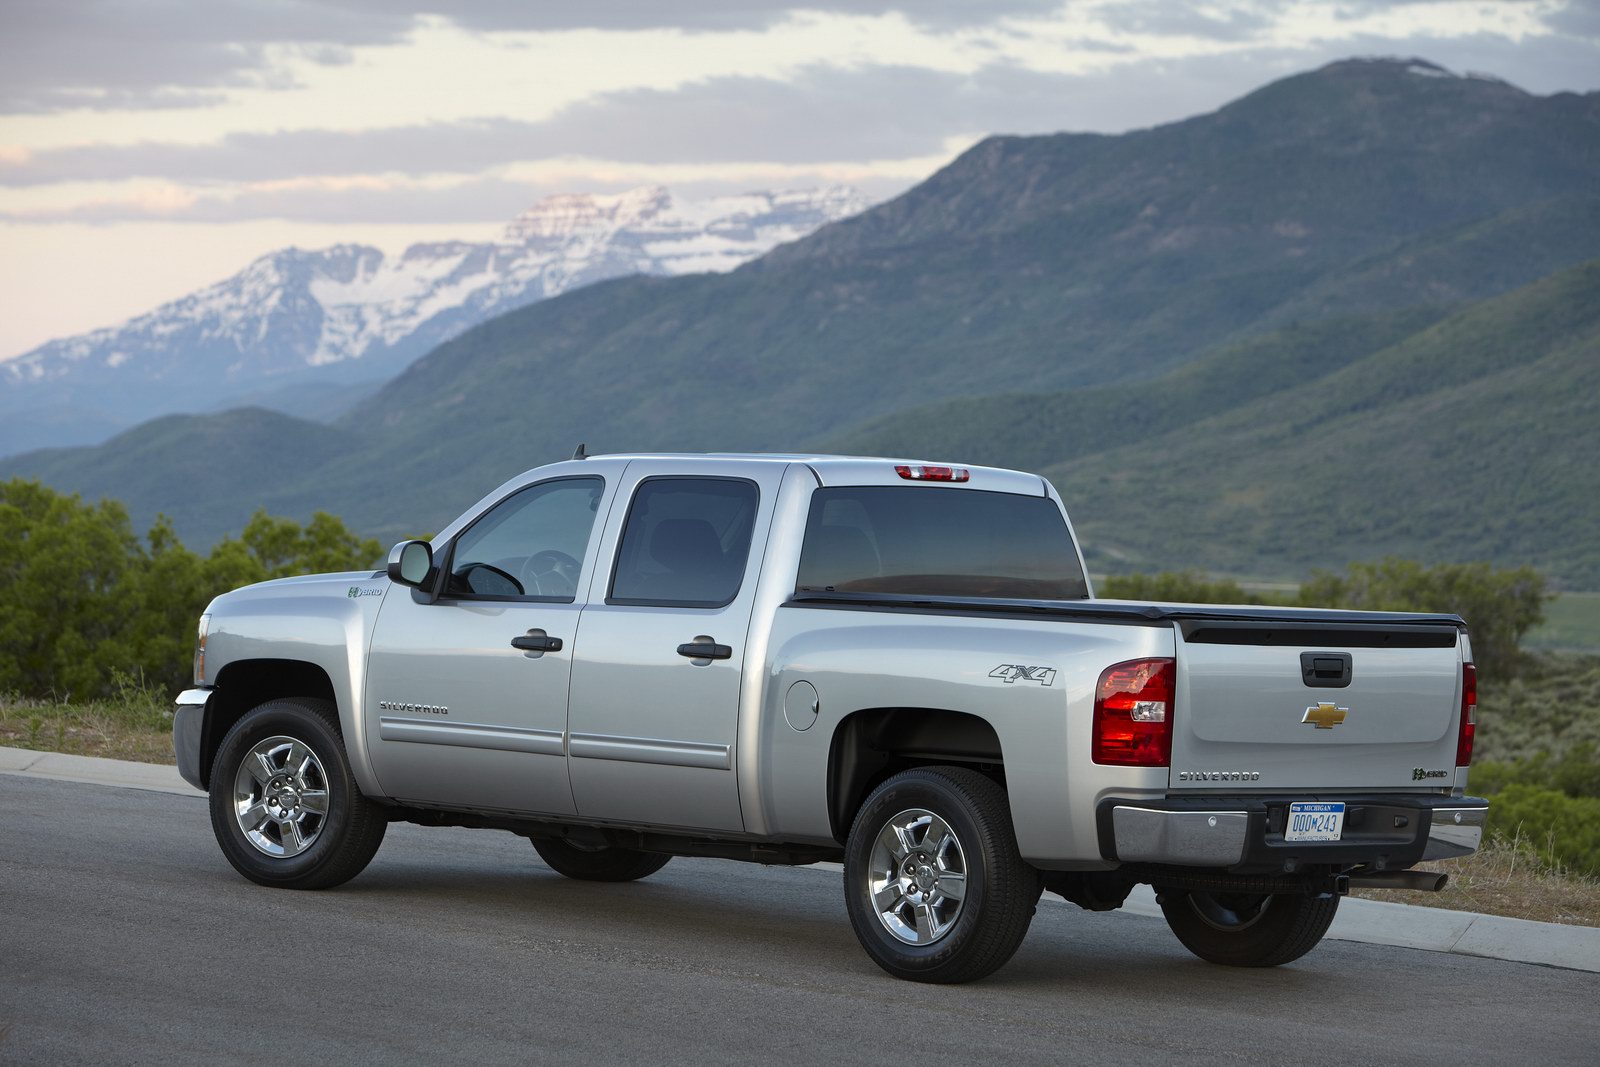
[{"x": 933, "y": 541}]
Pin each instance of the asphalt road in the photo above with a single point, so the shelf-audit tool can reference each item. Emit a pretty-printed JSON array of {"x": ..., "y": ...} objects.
[{"x": 126, "y": 938}]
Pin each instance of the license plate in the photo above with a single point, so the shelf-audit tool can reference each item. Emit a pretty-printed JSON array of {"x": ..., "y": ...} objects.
[{"x": 1314, "y": 822}]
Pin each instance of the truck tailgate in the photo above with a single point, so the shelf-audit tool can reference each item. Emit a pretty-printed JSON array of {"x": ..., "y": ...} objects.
[{"x": 1306, "y": 705}]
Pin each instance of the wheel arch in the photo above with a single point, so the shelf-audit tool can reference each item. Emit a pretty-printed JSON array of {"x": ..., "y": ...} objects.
[
  {"x": 245, "y": 684},
  {"x": 871, "y": 744}
]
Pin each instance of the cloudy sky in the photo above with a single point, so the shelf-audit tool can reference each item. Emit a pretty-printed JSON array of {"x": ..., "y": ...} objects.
[{"x": 148, "y": 147}]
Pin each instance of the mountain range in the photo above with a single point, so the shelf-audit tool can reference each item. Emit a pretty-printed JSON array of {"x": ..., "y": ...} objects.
[
  {"x": 310, "y": 331},
  {"x": 1353, "y": 312}
]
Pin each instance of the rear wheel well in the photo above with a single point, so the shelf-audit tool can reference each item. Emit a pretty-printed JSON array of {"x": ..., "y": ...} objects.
[
  {"x": 247, "y": 684},
  {"x": 872, "y": 744}
]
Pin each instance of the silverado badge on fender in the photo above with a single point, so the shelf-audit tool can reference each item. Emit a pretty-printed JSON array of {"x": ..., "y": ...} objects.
[{"x": 1325, "y": 716}]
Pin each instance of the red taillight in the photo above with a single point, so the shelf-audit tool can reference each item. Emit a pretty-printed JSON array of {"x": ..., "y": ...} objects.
[
  {"x": 922, "y": 472},
  {"x": 1469, "y": 715},
  {"x": 1133, "y": 713}
]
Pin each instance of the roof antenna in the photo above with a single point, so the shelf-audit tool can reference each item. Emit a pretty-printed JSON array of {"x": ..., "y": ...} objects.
[{"x": 580, "y": 453}]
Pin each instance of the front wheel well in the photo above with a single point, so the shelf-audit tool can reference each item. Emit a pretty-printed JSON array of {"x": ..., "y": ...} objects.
[
  {"x": 872, "y": 744},
  {"x": 247, "y": 684}
]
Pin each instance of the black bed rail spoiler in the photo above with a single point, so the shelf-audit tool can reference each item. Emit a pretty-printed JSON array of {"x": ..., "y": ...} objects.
[{"x": 1199, "y": 621}]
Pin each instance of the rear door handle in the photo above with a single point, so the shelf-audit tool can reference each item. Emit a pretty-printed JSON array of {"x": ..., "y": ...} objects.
[
  {"x": 537, "y": 643},
  {"x": 700, "y": 649}
]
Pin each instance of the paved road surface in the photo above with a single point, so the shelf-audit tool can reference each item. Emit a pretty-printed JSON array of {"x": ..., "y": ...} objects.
[{"x": 125, "y": 938}]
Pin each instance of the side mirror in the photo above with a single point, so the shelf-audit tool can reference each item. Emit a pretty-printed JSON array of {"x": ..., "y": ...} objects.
[{"x": 410, "y": 563}]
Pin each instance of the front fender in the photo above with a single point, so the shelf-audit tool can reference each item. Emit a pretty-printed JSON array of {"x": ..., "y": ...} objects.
[{"x": 326, "y": 623}]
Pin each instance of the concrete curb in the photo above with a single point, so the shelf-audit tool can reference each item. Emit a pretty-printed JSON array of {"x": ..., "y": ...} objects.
[
  {"x": 94, "y": 770},
  {"x": 1465, "y": 933},
  {"x": 1373, "y": 922}
]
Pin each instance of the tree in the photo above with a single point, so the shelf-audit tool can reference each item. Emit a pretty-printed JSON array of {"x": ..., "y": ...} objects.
[
  {"x": 82, "y": 598},
  {"x": 282, "y": 547},
  {"x": 162, "y": 597},
  {"x": 61, "y": 561},
  {"x": 1500, "y": 606}
]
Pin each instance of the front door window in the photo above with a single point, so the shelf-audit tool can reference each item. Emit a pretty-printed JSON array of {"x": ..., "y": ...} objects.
[{"x": 529, "y": 546}]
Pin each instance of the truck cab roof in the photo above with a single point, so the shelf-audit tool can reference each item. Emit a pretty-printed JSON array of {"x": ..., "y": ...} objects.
[{"x": 830, "y": 470}]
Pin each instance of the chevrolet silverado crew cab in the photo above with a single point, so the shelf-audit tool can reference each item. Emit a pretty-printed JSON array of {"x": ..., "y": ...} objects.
[{"x": 797, "y": 659}]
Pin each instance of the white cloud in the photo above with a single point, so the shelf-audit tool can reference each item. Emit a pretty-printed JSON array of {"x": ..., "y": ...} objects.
[
  {"x": 114, "y": 55},
  {"x": 822, "y": 114},
  {"x": 243, "y": 114}
]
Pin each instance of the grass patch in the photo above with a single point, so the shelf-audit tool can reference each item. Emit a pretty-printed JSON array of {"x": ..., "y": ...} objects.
[
  {"x": 1571, "y": 624},
  {"x": 136, "y": 724},
  {"x": 1515, "y": 877}
]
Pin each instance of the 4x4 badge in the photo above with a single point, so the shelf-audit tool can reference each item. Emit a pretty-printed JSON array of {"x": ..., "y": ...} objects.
[
  {"x": 1014, "y": 672},
  {"x": 1325, "y": 716}
]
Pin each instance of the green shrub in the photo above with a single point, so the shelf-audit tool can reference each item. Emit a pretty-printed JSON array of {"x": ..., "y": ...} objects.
[
  {"x": 1575, "y": 772},
  {"x": 1552, "y": 707},
  {"x": 1550, "y": 824}
]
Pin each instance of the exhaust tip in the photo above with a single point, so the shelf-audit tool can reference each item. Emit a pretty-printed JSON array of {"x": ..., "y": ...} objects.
[{"x": 1420, "y": 881}]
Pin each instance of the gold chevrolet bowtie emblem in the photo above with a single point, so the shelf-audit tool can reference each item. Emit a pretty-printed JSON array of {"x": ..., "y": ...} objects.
[{"x": 1325, "y": 716}]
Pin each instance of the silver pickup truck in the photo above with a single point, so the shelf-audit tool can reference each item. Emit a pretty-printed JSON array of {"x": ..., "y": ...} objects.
[{"x": 797, "y": 659}]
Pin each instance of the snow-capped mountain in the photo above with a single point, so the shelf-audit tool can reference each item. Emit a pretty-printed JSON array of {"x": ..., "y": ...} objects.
[{"x": 350, "y": 313}]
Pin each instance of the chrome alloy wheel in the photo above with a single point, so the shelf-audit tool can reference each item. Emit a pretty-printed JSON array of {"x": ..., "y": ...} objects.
[
  {"x": 917, "y": 877},
  {"x": 280, "y": 797}
]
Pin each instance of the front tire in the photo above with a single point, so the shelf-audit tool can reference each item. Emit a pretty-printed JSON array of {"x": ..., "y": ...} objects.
[
  {"x": 284, "y": 806},
  {"x": 934, "y": 884},
  {"x": 599, "y": 864},
  {"x": 1246, "y": 930}
]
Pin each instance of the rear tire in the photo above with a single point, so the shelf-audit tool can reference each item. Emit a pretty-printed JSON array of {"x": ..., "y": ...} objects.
[
  {"x": 934, "y": 884},
  {"x": 284, "y": 806},
  {"x": 600, "y": 864},
  {"x": 1245, "y": 930}
]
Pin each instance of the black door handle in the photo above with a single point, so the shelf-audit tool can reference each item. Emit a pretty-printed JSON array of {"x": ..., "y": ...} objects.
[
  {"x": 538, "y": 643},
  {"x": 1326, "y": 670},
  {"x": 705, "y": 650}
]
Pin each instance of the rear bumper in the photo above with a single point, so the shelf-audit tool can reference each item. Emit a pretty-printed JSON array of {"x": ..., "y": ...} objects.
[
  {"x": 1244, "y": 835},
  {"x": 188, "y": 731}
]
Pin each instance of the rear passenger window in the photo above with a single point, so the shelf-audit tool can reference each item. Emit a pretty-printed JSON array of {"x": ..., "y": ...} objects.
[{"x": 685, "y": 543}]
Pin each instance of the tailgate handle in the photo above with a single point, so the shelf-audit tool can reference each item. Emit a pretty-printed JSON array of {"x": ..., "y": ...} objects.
[{"x": 1326, "y": 670}]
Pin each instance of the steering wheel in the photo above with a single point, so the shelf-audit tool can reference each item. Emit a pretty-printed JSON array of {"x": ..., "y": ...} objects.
[
  {"x": 551, "y": 573},
  {"x": 489, "y": 580}
]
